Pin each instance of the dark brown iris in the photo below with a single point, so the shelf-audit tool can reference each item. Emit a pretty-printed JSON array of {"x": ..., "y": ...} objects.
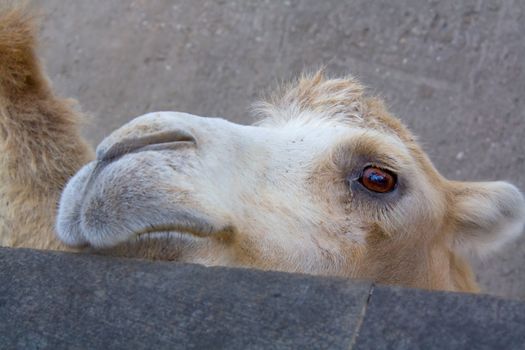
[{"x": 378, "y": 180}]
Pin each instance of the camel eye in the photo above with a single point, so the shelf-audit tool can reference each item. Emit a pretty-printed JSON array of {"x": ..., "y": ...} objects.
[{"x": 378, "y": 180}]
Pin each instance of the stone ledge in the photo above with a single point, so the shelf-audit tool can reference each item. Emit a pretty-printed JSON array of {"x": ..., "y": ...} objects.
[
  {"x": 400, "y": 318},
  {"x": 60, "y": 300}
]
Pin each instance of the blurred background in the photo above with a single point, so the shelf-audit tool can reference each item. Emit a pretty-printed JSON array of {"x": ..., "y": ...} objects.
[{"x": 453, "y": 71}]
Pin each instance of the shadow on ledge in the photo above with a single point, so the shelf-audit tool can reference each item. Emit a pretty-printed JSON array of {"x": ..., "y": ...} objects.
[{"x": 60, "y": 300}]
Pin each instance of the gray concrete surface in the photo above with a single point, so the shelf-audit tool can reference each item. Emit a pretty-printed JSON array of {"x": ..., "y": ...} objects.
[
  {"x": 55, "y": 300},
  {"x": 454, "y": 71},
  {"x": 52, "y": 300},
  {"x": 399, "y": 318}
]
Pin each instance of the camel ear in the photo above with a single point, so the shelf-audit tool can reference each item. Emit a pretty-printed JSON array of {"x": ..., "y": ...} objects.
[{"x": 487, "y": 215}]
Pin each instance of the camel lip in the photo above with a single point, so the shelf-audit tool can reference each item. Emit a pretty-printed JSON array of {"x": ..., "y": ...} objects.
[
  {"x": 166, "y": 231},
  {"x": 167, "y": 236},
  {"x": 179, "y": 231}
]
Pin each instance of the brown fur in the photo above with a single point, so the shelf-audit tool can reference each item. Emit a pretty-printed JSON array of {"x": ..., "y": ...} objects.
[{"x": 40, "y": 146}]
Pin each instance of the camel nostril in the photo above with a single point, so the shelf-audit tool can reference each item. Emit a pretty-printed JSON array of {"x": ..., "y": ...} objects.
[{"x": 173, "y": 139}]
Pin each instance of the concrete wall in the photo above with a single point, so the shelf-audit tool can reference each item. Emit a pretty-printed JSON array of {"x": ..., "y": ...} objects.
[
  {"x": 454, "y": 71},
  {"x": 51, "y": 300}
]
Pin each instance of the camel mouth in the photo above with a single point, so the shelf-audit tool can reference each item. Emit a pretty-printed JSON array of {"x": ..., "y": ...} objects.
[
  {"x": 167, "y": 232},
  {"x": 169, "y": 237}
]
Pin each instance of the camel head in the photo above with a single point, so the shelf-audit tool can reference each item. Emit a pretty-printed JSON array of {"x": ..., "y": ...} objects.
[{"x": 326, "y": 183}]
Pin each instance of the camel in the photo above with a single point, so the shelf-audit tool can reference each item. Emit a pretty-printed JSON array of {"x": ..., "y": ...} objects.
[{"x": 327, "y": 182}]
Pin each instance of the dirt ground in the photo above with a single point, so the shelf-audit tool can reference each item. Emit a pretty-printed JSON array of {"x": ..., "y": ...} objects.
[{"x": 453, "y": 71}]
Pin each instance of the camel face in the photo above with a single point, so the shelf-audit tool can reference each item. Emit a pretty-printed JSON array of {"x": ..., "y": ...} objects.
[
  {"x": 229, "y": 194},
  {"x": 328, "y": 183}
]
